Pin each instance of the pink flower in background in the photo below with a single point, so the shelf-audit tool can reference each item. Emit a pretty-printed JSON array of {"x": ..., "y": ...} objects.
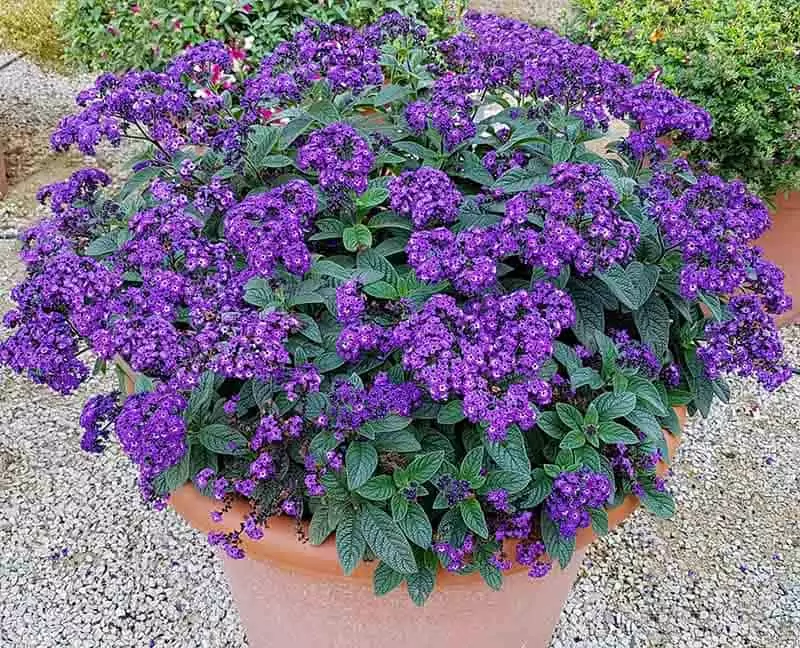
[
  {"x": 247, "y": 8},
  {"x": 135, "y": 9}
]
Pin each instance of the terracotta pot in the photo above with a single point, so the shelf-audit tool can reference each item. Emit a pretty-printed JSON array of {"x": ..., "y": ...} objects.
[
  {"x": 781, "y": 245},
  {"x": 291, "y": 593}
]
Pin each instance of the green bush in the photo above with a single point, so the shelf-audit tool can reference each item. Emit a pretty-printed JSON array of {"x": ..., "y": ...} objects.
[
  {"x": 740, "y": 59},
  {"x": 27, "y": 26},
  {"x": 120, "y": 34}
]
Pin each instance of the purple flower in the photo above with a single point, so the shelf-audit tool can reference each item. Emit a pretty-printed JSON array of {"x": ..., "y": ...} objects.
[
  {"x": 426, "y": 195},
  {"x": 341, "y": 157}
]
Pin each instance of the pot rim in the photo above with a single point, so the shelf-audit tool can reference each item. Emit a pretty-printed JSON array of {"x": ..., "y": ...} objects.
[{"x": 285, "y": 544}]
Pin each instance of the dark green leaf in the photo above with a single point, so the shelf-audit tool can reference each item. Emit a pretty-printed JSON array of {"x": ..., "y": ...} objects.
[
  {"x": 492, "y": 576},
  {"x": 379, "y": 488},
  {"x": 386, "y": 539},
  {"x": 510, "y": 454},
  {"x": 389, "y": 94},
  {"x": 319, "y": 528},
  {"x": 660, "y": 504},
  {"x": 610, "y": 432},
  {"x": 417, "y": 526},
  {"x": 473, "y": 517},
  {"x": 599, "y": 521},
  {"x": 350, "y": 543},
  {"x": 424, "y": 466},
  {"x": 570, "y": 416},
  {"x": 397, "y": 441},
  {"x": 573, "y": 439},
  {"x": 512, "y": 482},
  {"x": 471, "y": 464},
  {"x": 550, "y": 423},
  {"x": 357, "y": 236},
  {"x": 222, "y": 439},
  {"x": 451, "y": 413},
  {"x": 559, "y": 548},
  {"x": 541, "y": 485},
  {"x": 381, "y": 290},
  {"x": 360, "y": 462},
  {"x": 420, "y": 586},
  {"x": 613, "y": 405},
  {"x": 385, "y": 579},
  {"x": 653, "y": 322}
]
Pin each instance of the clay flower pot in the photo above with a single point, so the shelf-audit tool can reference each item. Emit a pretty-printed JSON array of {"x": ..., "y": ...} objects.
[
  {"x": 781, "y": 245},
  {"x": 291, "y": 593}
]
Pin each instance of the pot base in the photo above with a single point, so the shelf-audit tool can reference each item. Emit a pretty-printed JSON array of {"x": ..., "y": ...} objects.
[{"x": 285, "y": 608}]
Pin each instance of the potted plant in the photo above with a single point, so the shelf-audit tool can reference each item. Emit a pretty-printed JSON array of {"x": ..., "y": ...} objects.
[
  {"x": 738, "y": 60},
  {"x": 438, "y": 342}
]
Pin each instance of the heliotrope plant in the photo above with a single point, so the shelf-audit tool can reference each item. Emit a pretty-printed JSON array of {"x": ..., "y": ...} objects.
[{"x": 392, "y": 287}]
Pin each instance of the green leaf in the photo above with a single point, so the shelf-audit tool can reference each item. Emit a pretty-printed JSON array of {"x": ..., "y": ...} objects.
[
  {"x": 389, "y": 94},
  {"x": 573, "y": 439},
  {"x": 372, "y": 197},
  {"x": 647, "y": 395},
  {"x": 510, "y": 454},
  {"x": 385, "y": 579},
  {"x": 399, "y": 507},
  {"x": 310, "y": 327},
  {"x": 378, "y": 264},
  {"x": 360, "y": 462},
  {"x": 174, "y": 477},
  {"x": 519, "y": 179},
  {"x": 386, "y": 539},
  {"x": 391, "y": 423},
  {"x": 106, "y": 244},
  {"x": 513, "y": 482},
  {"x": 472, "y": 514},
  {"x": 561, "y": 150},
  {"x": 570, "y": 416},
  {"x": 319, "y": 528},
  {"x": 222, "y": 439},
  {"x": 451, "y": 413},
  {"x": 328, "y": 361},
  {"x": 645, "y": 421},
  {"x": 610, "y": 432},
  {"x": 417, "y": 526},
  {"x": 599, "y": 521},
  {"x": 324, "y": 112},
  {"x": 379, "y": 488},
  {"x": 550, "y": 423},
  {"x": 402, "y": 441},
  {"x": 381, "y": 290},
  {"x": 258, "y": 293},
  {"x": 653, "y": 321},
  {"x": 390, "y": 219},
  {"x": 273, "y": 162},
  {"x": 357, "y": 236},
  {"x": 143, "y": 384},
  {"x": 291, "y": 131},
  {"x": 559, "y": 548},
  {"x": 473, "y": 169},
  {"x": 632, "y": 285},
  {"x": 589, "y": 315},
  {"x": 541, "y": 486},
  {"x": 424, "y": 466},
  {"x": 350, "y": 543},
  {"x": 471, "y": 464},
  {"x": 658, "y": 503},
  {"x": 492, "y": 576},
  {"x": 420, "y": 586},
  {"x": 613, "y": 405}
]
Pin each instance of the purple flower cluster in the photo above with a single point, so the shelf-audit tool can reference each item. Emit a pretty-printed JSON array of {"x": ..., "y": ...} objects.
[
  {"x": 344, "y": 57},
  {"x": 456, "y": 558},
  {"x": 98, "y": 414},
  {"x": 468, "y": 259},
  {"x": 426, "y": 195},
  {"x": 573, "y": 494},
  {"x": 634, "y": 354},
  {"x": 575, "y": 221},
  {"x": 340, "y": 155},
  {"x": 152, "y": 432},
  {"x": 748, "y": 344},
  {"x": 489, "y": 352},
  {"x": 270, "y": 228}
]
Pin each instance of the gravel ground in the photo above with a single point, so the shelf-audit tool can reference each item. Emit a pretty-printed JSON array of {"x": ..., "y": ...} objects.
[{"x": 84, "y": 565}]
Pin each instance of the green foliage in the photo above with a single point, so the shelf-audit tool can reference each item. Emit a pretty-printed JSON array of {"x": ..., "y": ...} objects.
[
  {"x": 736, "y": 58},
  {"x": 112, "y": 35},
  {"x": 27, "y": 26}
]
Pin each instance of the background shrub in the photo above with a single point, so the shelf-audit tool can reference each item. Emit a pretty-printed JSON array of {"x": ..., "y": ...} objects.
[
  {"x": 740, "y": 59},
  {"x": 27, "y": 26},
  {"x": 120, "y": 34}
]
